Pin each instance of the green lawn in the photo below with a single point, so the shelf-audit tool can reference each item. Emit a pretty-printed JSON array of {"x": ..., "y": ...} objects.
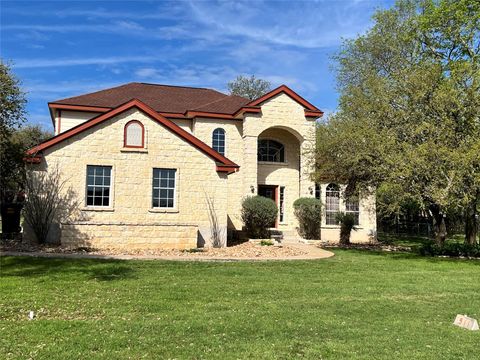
[{"x": 357, "y": 305}]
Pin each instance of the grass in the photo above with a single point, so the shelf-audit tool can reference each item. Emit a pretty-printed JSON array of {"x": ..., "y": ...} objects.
[{"x": 357, "y": 305}]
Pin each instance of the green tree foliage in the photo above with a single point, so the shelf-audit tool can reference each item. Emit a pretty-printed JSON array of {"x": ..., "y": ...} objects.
[
  {"x": 408, "y": 118},
  {"x": 258, "y": 215},
  {"x": 249, "y": 87},
  {"x": 308, "y": 211},
  {"x": 347, "y": 224}
]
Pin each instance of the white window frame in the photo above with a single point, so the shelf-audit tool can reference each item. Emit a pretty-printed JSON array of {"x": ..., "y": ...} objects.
[
  {"x": 175, "y": 192},
  {"x": 110, "y": 188}
]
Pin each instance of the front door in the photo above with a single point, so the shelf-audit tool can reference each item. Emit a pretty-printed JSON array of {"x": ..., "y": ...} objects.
[{"x": 269, "y": 191}]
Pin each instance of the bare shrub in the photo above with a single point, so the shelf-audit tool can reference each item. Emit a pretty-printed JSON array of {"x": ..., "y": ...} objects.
[
  {"x": 47, "y": 202},
  {"x": 215, "y": 228}
]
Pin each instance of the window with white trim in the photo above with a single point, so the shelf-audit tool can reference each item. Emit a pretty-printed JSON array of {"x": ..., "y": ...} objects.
[
  {"x": 270, "y": 151},
  {"x": 163, "y": 189},
  {"x": 98, "y": 185},
  {"x": 134, "y": 134},
  {"x": 332, "y": 204},
  {"x": 352, "y": 207},
  {"x": 218, "y": 140}
]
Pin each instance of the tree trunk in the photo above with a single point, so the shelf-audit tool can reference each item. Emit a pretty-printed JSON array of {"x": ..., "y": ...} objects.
[
  {"x": 439, "y": 227},
  {"x": 471, "y": 224}
]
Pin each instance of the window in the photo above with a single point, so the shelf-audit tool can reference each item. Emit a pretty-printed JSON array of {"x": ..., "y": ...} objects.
[
  {"x": 332, "y": 204},
  {"x": 98, "y": 185},
  {"x": 134, "y": 134},
  {"x": 352, "y": 207},
  {"x": 282, "y": 204},
  {"x": 270, "y": 151},
  {"x": 218, "y": 140},
  {"x": 163, "y": 192}
]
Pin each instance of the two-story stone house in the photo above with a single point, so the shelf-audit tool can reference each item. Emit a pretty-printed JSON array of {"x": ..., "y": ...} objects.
[{"x": 153, "y": 165}]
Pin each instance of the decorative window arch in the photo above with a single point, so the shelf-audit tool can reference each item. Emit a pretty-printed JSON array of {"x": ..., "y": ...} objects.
[
  {"x": 270, "y": 151},
  {"x": 352, "y": 206},
  {"x": 218, "y": 140},
  {"x": 134, "y": 135},
  {"x": 332, "y": 204}
]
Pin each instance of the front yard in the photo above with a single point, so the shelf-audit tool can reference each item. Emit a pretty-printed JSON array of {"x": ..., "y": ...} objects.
[{"x": 358, "y": 305}]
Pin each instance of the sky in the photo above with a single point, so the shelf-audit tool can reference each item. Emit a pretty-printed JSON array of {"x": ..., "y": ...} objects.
[{"x": 65, "y": 48}]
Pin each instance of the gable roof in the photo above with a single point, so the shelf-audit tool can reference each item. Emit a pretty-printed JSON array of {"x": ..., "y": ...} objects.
[
  {"x": 161, "y": 98},
  {"x": 178, "y": 101},
  {"x": 223, "y": 163},
  {"x": 310, "y": 110}
]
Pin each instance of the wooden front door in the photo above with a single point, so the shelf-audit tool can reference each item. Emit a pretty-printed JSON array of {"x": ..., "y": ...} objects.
[{"x": 271, "y": 192}]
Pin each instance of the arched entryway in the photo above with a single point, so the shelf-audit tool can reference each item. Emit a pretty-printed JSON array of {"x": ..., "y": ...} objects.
[{"x": 278, "y": 170}]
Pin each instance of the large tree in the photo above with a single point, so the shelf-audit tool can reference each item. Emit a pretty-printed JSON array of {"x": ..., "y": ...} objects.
[
  {"x": 249, "y": 87},
  {"x": 409, "y": 112}
]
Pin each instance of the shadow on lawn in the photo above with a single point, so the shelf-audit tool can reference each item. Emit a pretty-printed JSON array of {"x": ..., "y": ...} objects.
[{"x": 92, "y": 269}]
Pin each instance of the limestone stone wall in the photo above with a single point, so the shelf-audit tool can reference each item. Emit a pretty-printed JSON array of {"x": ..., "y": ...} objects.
[
  {"x": 203, "y": 129},
  {"x": 131, "y": 190},
  {"x": 108, "y": 235}
]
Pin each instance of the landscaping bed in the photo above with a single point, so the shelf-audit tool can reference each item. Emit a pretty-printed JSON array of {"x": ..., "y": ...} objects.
[{"x": 244, "y": 250}]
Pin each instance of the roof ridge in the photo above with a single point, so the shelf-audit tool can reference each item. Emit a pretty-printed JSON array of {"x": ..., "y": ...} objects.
[{"x": 179, "y": 86}]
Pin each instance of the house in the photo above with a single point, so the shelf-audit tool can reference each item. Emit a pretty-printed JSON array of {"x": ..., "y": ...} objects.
[{"x": 154, "y": 166}]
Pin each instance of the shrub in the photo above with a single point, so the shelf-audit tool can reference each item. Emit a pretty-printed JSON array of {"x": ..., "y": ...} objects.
[
  {"x": 258, "y": 214},
  {"x": 347, "y": 224},
  {"x": 308, "y": 212},
  {"x": 266, "y": 243},
  {"x": 449, "y": 249}
]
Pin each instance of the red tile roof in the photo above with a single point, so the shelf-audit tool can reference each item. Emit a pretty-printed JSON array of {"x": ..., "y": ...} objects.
[{"x": 161, "y": 98}]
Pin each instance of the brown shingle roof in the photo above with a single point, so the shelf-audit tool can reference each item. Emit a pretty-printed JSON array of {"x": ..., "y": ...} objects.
[{"x": 162, "y": 98}]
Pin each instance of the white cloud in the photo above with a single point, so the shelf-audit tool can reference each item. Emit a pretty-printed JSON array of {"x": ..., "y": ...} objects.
[{"x": 41, "y": 63}]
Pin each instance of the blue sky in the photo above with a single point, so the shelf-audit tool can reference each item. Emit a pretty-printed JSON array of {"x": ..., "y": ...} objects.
[{"x": 61, "y": 49}]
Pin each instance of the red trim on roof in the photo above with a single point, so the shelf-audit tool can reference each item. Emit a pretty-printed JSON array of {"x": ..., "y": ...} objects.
[
  {"x": 32, "y": 160},
  {"x": 193, "y": 114},
  {"x": 224, "y": 162},
  {"x": 79, "y": 107},
  {"x": 227, "y": 169},
  {"x": 286, "y": 90},
  {"x": 314, "y": 114}
]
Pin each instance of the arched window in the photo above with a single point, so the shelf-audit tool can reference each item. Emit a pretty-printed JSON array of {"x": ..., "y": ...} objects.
[
  {"x": 332, "y": 204},
  {"x": 352, "y": 206},
  {"x": 134, "y": 135},
  {"x": 218, "y": 140},
  {"x": 270, "y": 151}
]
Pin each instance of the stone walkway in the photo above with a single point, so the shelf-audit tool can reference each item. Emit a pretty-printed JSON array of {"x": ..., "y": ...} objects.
[{"x": 309, "y": 252}]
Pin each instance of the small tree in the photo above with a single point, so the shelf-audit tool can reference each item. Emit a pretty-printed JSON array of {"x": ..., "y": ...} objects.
[
  {"x": 308, "y": 211},
  {"x": 347, "y": 224},
  {"x": 258, "y": 214},
  {"x": 47, "y": 202},
  {"x": 248, "y": 87}
]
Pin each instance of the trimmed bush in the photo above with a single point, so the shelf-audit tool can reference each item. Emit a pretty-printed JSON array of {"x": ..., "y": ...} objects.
[
  {"x": 449, "y": 249},
  {"x": 258, "y": 214},
  {"x": 347, "y": 224},
  {"x": 308, "y": 212}
]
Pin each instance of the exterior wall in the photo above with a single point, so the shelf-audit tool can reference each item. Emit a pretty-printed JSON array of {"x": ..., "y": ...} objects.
[
  {"x": 203, "y": 130},
  {"x": 130, "y": 215},
  {"x": 67, "y": 119},
  {"x": 366, "y": 231},
  {"x": 184, "y": 124}
]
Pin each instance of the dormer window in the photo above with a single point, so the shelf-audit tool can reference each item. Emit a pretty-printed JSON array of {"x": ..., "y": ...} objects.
[{"x": 134, "y": 135}]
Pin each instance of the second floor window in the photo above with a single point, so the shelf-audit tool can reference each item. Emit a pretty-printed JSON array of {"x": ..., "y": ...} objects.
[
  {"x": 134, "y": 135},
  {"x": 98, "y": 185},
  {"x": 270, "y": 151},
  {"x": 218, "y": 141}
]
